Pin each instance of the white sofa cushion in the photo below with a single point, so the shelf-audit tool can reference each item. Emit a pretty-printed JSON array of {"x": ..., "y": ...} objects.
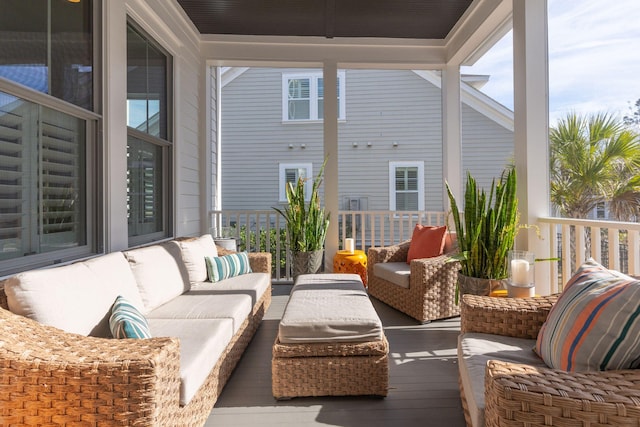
[
  {"x": 118, "y": 280},
  {"x": 202, "y": 342},
  {"x": 395, "y": 272},
  {"x": 160, "y": 273},
  {"x": 475, "y": 350},
  {"x": 203, "y": 306},
  {"x": 329, "y": 308},
  {"x": 194, "y": 252},
  {"x": 77, "y": 297},
  {"x": 252, "y": 284}
]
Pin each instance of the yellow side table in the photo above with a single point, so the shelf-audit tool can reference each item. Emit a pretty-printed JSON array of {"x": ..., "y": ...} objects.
[{"x": 351, "y": 262}]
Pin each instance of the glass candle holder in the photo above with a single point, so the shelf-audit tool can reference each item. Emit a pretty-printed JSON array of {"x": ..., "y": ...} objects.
[{"x": 521, "y": 274}]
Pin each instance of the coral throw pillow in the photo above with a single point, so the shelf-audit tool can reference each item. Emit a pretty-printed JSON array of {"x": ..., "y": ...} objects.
[
  {"x": 595, "y": 324},
  {"x": 426, "y": 242}
]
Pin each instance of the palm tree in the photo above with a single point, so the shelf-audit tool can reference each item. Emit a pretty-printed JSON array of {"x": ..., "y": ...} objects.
[{"x": 594, "y": 159}]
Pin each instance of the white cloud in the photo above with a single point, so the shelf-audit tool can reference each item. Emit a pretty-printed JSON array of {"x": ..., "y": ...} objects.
[{"x": 594, "y": 58}]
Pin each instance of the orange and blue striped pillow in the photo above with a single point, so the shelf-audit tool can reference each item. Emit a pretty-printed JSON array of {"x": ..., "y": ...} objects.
[
  {"x": 595, "y": 324},
  {"x": 223, "y": 267}
]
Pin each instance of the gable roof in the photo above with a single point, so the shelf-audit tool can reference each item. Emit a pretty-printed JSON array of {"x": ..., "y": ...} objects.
[{"x": 470, "y": 95}]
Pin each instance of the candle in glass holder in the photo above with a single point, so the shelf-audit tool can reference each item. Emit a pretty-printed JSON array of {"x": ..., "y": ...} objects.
[
  {"x": 520, "y": 272},
  {"x": 349, "y": 245}
]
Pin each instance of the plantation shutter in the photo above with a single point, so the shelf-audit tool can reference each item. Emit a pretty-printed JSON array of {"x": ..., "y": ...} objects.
[
  {"x": 299, "y": 98},
  {"x": 406, "y": 188},
  {"x": 62, "y": 163},
  {"x": 14, "y": 178}
]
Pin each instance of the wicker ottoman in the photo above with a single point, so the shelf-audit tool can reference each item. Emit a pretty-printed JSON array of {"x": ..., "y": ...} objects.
[{"x": 330, "y": 341}]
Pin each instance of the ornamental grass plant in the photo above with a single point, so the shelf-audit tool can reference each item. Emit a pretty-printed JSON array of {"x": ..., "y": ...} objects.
[
  {"x": 306, "y": 223},
  {"x": 487, "y": 229}
]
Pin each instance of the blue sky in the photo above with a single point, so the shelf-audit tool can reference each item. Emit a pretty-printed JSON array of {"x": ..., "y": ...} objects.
[{"x": 594, "y": 58}]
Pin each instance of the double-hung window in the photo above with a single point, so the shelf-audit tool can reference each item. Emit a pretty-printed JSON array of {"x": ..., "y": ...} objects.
[
  {"x": 290, "y": 173},
  {"x": 303, "y": 96},
  {"x": 406, "y": 186},
  {"x": 149, "y": 141},
  {"x": 49, "y": 168}
]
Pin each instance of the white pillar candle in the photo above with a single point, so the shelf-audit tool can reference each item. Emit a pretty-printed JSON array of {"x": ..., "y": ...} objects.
[
  {"x": 349, "y": 245},
  {"x": 520, "y": 272}
]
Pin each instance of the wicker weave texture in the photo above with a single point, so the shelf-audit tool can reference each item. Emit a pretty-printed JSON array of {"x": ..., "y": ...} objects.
[
  {"x": 350, "y": 375},
  {"x": 432, "y": 284},
  {"x": 519, "y": 396},
  {"x": 51, "y": 377},
  {"x": 514, "y": 317}
]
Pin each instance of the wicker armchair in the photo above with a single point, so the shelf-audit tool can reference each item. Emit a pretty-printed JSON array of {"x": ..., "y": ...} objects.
[
  {"x": 52, "y": 377},
  {"x": 432, "y": 284},
  {"x": 521, "y": 395}
]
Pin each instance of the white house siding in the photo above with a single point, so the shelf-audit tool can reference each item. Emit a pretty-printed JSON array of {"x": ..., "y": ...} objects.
[
  {"x": 164, "y": 21},
  {"x": 382, "y": 107},
  {"x": 487, "y": 147}
]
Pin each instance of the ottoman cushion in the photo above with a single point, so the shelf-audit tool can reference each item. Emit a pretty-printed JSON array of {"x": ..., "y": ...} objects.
[{"x": 329, "y": 308}]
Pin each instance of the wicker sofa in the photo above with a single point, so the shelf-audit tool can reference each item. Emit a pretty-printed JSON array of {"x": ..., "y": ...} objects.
[
  {"x": 53, "y": 376},
  {"x": 502, "y": 383},
  {"x": 424, "y": 289}
]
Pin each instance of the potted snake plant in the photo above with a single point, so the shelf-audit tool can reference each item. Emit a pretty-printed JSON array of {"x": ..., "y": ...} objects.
[
  {"x": 485, "y": 232},
  {"x": 306, "y": 225}
]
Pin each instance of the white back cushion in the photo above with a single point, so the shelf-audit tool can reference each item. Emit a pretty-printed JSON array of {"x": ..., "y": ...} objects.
[
  {"x": 76, "y": 298},
  {"x": 193, "y": 253},
  {"x": 160, "y": 273},
  {"x": 68, "y": 297}
]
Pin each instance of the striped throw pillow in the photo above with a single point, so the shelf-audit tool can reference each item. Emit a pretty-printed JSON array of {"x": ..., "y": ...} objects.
[
  {"x": 595, "y": 324},
  {"x": 126, "y": 321},
  {"x": 223, "y": 267}
]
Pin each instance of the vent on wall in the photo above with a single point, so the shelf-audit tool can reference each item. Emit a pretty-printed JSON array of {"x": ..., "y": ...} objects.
[{"x": 352, "y": 203}]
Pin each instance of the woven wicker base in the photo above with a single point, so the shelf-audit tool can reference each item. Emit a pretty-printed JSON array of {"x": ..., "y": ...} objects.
[{"x": 332, "y": 369}]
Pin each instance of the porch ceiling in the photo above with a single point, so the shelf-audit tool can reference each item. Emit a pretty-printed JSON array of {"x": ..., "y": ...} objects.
[{"x": 416, "y": 19}]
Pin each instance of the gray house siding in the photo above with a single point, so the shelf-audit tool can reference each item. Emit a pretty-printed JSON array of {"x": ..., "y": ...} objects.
[
  {"x": 487, "y": 147},
  {"x": 382, "y": 108}
]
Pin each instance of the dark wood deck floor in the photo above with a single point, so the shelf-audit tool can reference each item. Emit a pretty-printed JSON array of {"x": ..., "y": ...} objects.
[{"x": 422, "y": 376}]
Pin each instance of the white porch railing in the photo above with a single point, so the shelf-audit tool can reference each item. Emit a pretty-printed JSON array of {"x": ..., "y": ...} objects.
[
  {"x": 614, "y": 244},
  {"x": 265, "y": 230}
]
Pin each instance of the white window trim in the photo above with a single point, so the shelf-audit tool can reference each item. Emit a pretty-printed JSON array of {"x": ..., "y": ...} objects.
[
  {"x": 313, "y": 76},
  {"x": 392, "y": 182},
  {"x": 282, "y": 194}
]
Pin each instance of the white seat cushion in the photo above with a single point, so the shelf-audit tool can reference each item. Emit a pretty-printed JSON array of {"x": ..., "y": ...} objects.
[
  {"x": 160, "y": 273},
  {"x": 252, "y": 284},
  {"x": 202, "y": 306},
  {"x": 202, "y": 342},
  {"x": 329, "y": 308},
  {"x": 475, "y": 350},
  {"x": 394, "y": 272}
]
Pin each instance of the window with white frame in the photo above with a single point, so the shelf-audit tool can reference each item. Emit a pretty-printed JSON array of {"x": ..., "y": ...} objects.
[
  {"x": 49, "y": 155},
  {"x": 303, "y": 96},
  {"x": 149, "y": 142},
  {"x": 406, "y": 186},
  {"x": 290, "y": 173}
]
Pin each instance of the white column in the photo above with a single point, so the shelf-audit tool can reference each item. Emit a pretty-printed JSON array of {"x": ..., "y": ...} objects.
[
  {"x": 115, "y": 125},
  {"x": 531, "y": 125},
  {"x": 451, "y": 132},
  {"x": 331, "y": 154}
]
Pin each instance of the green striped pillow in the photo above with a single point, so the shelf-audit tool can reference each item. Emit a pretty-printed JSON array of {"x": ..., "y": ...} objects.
[
  {"x": 126, "y": 321},
  {"x": 595, "y": 324},
  {"x": 223, "y": 267}
]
